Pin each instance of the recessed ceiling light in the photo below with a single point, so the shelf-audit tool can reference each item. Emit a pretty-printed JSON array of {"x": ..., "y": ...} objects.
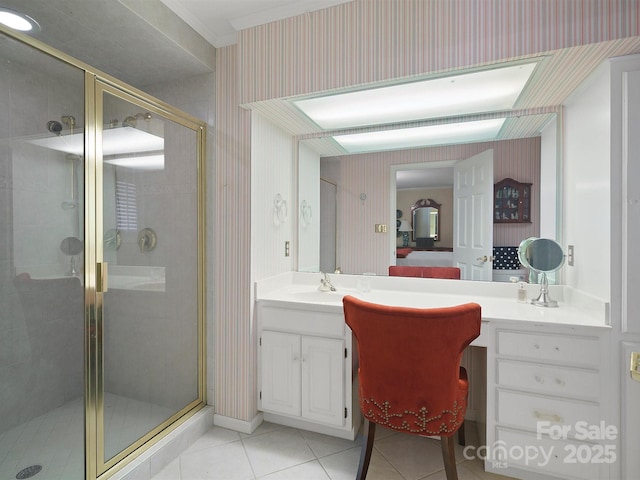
[
  {"x": 483, "y": 91},
  {"x": 17, "y": 21}
]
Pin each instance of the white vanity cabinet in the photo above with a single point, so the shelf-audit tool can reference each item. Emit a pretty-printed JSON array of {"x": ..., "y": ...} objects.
[
  {"x": 547, "y": 404},
  {"x": 306, "y": 368}
]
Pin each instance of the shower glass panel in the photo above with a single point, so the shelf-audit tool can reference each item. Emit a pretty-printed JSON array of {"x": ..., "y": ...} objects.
[
  {"x": 150, "y": 303},
  {"x": 42, "y": 309}
]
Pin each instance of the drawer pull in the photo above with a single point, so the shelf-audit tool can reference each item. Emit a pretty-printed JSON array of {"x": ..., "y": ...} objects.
[
  {"x": 539, "y": 379},
  {"x": 552, "y": 417},
  {"x": 557, "y": 349},
  {"x": 536, "y": 346},
  {"x": 559, "y": 381}
]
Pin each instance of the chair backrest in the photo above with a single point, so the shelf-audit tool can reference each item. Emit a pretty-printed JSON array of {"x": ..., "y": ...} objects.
[
  {"x": 424, "y": 272},
  {"x": 409, "y": 363}
]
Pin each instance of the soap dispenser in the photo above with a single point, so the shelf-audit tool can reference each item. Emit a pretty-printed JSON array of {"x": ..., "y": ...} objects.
[{"x": 522, "y": 292}]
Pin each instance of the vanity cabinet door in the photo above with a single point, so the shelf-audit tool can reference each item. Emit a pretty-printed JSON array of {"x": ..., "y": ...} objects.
[
  {"x": 323, "y": 380},
  {"x": 280, "y": 369}
]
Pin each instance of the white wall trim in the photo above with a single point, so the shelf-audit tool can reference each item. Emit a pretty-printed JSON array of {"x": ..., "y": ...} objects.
[{"x": 237, "y": 425}]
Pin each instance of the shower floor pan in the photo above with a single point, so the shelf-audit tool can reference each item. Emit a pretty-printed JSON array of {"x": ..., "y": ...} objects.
[{"x": 55, "y": 440}]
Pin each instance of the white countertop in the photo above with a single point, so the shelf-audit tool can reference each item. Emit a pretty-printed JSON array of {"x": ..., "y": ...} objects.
[{"x": 498, "y": 300}]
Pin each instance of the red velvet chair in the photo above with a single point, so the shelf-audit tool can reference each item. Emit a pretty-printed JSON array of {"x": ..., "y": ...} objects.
[
  {"x": 424, "y": 272},
  {"x": 409, "y": 371}
]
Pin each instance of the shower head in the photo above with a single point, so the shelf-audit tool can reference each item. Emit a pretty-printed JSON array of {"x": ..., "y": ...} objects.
[{"x": 54, "y": 127}]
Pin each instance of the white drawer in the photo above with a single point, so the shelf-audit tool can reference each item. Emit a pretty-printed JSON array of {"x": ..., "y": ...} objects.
[
  {"x": 565, "y": 381},
  {"x": 301, "y": 321},
  {"x": 525, "y": 410},
  {"x": 562, "y": 458},
  {"x": 558, "y": 348}
]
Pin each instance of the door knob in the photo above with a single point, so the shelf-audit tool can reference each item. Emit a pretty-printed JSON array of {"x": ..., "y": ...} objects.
[
  {"x": 634, "y": 369},
  {"x": 484, "y": 259}
]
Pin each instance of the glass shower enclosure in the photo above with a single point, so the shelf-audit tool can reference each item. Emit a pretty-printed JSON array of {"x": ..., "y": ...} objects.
[{"x": 101, "y": 267}]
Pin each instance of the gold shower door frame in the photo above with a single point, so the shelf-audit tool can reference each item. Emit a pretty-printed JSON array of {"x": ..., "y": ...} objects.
[
  {"x": 97, "y": 466},
  {"x": 96, "y": 85}
]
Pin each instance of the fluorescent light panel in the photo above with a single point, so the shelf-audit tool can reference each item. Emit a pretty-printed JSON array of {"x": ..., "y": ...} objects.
[
  {"x": 484, "y": 91},
  {"x": 416, "y": 137}
]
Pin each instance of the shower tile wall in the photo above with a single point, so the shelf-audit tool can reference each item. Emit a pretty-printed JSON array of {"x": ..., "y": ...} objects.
[
  {"x": 152, "y": 330},
  {"x": 38, "y": 371}
]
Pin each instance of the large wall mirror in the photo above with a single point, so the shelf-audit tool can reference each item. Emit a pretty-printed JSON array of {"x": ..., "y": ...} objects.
[{"x": 382, "y": 187}]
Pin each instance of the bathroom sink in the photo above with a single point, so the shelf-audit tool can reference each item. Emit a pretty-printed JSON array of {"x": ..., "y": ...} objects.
[{"x": 317, "y": 296}]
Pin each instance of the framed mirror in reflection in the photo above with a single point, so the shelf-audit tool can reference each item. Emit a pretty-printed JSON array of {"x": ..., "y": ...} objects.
[
  {"x": 425, "y": 222},
  {"x": 358, "y": 250}
]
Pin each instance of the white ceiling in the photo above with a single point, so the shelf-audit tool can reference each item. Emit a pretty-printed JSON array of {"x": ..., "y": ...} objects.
[{"x": 218, "y": 21}]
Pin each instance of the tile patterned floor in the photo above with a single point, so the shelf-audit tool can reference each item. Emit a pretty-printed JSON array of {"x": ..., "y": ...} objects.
[{"x": 274, "y": 452}]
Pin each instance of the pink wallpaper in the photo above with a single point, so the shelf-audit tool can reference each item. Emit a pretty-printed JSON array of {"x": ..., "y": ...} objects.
[
  {"x": 234, "y": 346},
  {"x": 355, "y": 43},
  {"x": 373, "y": 40}
]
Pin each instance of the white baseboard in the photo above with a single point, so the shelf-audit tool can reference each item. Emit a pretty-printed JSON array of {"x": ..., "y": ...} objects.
[{"x": 237, "y": 425}]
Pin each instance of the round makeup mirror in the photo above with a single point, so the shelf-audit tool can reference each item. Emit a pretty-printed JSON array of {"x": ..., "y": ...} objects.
[{"x": 541, "y": 255}]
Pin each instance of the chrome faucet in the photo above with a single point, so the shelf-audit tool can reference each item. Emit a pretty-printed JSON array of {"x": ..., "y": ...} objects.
[{"x": 325, "y": 284}]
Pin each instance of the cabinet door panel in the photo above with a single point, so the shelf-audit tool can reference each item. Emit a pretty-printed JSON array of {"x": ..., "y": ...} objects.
[
  {"x": 323, "y": 380},
  {"x": 280, "y": 368}
]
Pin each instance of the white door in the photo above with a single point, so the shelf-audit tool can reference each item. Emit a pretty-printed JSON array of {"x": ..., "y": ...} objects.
[
  {"x": 323, "y": 380},
  {"x": 473, "y": 216},
  {"x": 280, "y": 372}
]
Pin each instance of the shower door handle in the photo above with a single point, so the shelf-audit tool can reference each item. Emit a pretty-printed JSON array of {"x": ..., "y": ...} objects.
[
  {"x": 634, "y": 369},
  {"x": 102, "y": 276}
]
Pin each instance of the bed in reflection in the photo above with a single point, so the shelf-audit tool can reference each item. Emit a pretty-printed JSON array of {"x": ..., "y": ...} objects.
[{"x": 424, "y": 258}]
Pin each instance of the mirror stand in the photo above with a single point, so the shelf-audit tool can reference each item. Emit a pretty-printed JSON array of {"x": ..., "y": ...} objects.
[{"x": 544, "y": 300}]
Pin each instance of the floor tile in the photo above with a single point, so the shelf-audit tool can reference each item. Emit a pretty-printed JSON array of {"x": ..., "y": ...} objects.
[
  {"x": 323, "y": 445},
  {"x": 170, "y": 472},
  {"x": 212, "y": 438},
  {"x": 413, "y": 456},
  {"x": 277, "y": 450},
  {"x": 224, "y": 462},
  {"x": 343, "y": 465},
  {"x": 307, "y": 471}
]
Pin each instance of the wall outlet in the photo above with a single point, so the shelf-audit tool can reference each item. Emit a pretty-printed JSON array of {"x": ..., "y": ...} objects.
[
  {"x": 380, "y": 228},
  {"x": 570, "y": 255}
]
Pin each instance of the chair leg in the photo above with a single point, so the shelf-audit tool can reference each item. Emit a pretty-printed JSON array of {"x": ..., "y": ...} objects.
[
  {"x": 449, "y": 457},
  {"x": 461, "y": 438},
  {"x": 367, "y": 446}
]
